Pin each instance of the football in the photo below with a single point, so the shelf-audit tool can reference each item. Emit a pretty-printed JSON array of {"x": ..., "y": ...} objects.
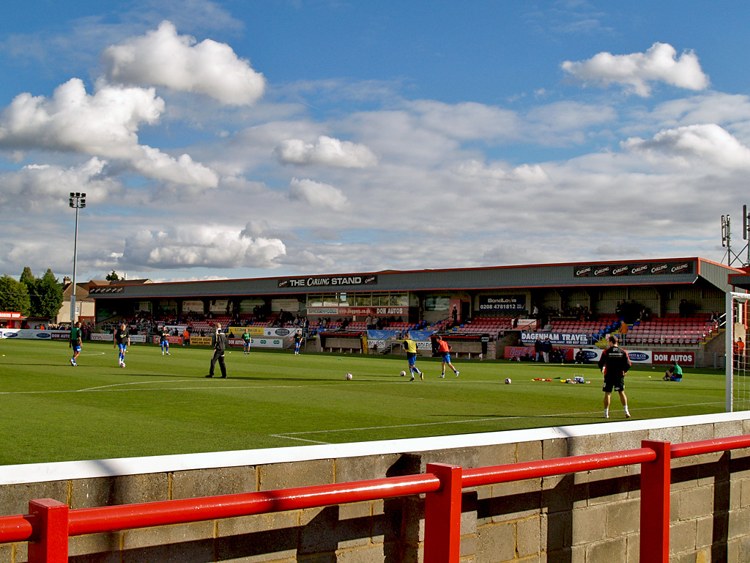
[
  {"x": 349, "y": 376},
  {"x": 403, "y": 373},
  {"x": 507, "y": 380}
]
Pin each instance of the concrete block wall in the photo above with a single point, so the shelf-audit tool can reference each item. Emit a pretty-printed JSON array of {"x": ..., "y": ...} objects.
[{"x": 587, "y": 517}]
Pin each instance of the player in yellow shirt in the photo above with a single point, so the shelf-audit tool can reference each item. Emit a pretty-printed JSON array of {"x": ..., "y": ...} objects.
[{"x": 411, "y": 356}]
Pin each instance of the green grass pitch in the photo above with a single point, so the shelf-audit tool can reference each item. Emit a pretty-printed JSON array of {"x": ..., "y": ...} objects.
[{"x": 51, "y": 411}]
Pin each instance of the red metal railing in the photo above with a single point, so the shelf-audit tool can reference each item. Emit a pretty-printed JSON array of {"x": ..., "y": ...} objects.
[{"x": 50, "y": 523}]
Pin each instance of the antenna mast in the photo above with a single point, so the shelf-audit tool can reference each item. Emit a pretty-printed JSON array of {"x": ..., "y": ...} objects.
[{"x": 732, "y": 258}]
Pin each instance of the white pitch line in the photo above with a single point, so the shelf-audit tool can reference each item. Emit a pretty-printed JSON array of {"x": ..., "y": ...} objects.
[
  {"x": 105, "y": 388},
  {"x": 297, "y": 439},
  {"x": 98, "y": 390},
  {"x": 292, "y": 435},
  {"x": 130, "y": 383}
]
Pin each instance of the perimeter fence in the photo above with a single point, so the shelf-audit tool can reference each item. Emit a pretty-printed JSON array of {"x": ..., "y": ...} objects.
[{"x": 49, "y": 524}]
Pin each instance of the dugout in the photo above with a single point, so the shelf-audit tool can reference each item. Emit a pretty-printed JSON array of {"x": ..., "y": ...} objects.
[
  {"x": 467, "y": 346},
  {"x": 343, "y": 342}
]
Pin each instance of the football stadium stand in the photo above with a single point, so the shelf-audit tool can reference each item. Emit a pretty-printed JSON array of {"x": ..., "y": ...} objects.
[{"x": 673, "y": 331}]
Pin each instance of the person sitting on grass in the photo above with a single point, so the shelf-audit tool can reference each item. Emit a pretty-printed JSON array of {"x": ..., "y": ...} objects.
[{"x": 674, "y": 373}]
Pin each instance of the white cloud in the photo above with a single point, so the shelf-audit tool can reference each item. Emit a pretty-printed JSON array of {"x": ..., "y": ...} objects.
[
  {"x": 182, "y": 170},
  {"x": 326, "y": 151},
  {"x": 530, "y": 174},
  {"x": 525, "y": 173},
  {"x": 44, "y": 187},
  {"x": 695, "y": 145},
  {"x": 466, "y": 120},
  {"x": 164, "y": 58},
  {"x": 477, "y": 169},
  {"x": 430, "y": 132},
  {"x": 399, "y": 136},
  {"x": 205, "y": 246},
  {"x": 104, "y": 124},
  {"x": 714, "y": 107},
  {"x": 560, "y": 118},
  {"x": 636, "y": 70},
  {"x": 317, "y": 194}
]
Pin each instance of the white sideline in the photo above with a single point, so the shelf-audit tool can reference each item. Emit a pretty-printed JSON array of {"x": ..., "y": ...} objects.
[{"x": 65, "y": 470}]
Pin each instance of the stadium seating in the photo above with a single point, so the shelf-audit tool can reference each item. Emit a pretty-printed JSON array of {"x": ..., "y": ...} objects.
[
  {"x": 484, "y": 325},
  {"x": 671, "y": 330},
  {"x": 604, "y": 324}
]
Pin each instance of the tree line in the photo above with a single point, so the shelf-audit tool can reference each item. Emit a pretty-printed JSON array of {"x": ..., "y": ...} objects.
[{"x": 31, "y": 296}]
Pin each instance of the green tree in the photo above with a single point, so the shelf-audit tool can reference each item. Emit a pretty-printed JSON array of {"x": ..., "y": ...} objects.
[
  {"x": 113, "y": 276},
  {"x": 45, "y": 294},
  {"x": 49, "y": 295},
  {"x": 14, "y": 296},
  {"x": 27, "y": 277}
]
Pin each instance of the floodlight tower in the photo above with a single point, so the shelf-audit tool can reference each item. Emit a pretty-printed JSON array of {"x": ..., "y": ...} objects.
[{"x": 76, "y": 201}]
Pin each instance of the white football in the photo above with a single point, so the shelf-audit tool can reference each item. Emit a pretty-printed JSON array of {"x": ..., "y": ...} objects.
[
  {"x": 403, "y": 373},
  {"x": 349, "y": 376},
  {"x": 507, "y": 381}
]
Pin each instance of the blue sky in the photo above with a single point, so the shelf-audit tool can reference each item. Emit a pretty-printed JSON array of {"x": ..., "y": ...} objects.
[{"x": 272, "y": 138}]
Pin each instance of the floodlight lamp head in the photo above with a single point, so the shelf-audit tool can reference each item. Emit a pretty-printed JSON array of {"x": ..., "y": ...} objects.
[{"x": 77, "y": 200}]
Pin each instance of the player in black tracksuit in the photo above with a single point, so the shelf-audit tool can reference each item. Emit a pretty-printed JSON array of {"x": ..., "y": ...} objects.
[
  {"x": 220, "y": 345},
  {"x": 614, "y": 364}
]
